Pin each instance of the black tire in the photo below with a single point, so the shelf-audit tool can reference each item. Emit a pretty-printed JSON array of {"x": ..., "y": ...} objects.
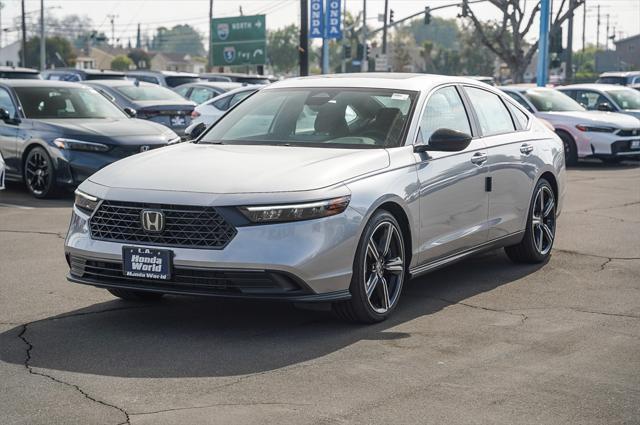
[
  {"x": 529, "y": 250},
  {"x": 570, "y": 149},
  {"x": 387, "y": 274},
  {"x": 39, "y": 174},
  {"x": 138, "y": 296}
]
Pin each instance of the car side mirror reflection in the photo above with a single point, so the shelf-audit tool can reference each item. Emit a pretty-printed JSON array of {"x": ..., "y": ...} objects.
[
  {"x": 192, "y": 132},
  {"x": 605, "y": 107},
  {"x": 445, "y": 140},
  {"x": 131, "y": 112}
]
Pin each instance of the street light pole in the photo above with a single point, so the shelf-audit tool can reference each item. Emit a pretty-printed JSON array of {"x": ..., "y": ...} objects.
[
  {"x": 364, "y": 65},
  {"x": 569, "y": 62},
  {"x": 303, "y": 48},
  {"x": 24, "y": 38},
  {"x": 210, "y": 61},
  {"x": 543, "y": 45},
  {"x": 384, "y": 27},
  {"x": 43, "y": 64},
  {"x": 325, "y": 40}
]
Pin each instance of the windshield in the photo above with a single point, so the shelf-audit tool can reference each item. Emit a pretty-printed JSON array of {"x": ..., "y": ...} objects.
[
  {"x": 320, "y": 117},
  {"x": 65, "y": 102},
  {"x": 546, "y": 100},
  {"x": 626, "y": 99},
  {"x": 150, "y": 92},
  {"x": 178, "y": 81}
]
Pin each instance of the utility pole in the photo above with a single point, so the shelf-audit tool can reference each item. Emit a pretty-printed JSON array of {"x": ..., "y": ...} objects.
[
  {"x": 325, "y": 41},
  {"x": 1, "y": 7},
  {"x": 210, "y": 61},
  {"x": 606, "y": 36},
  {"x": 543, "y": 44},
  {"x": 584, "y": 23},
  {"x": 43, "y": 64},
  {"x": 303, "y": 48},
  {"x": 598, "y": 30},
  {"x": 384, "y": 27},
  {"x": 24, "y": 38},
  {"x": 364, "y": 65},
  {"x": 112, "y": 20}
]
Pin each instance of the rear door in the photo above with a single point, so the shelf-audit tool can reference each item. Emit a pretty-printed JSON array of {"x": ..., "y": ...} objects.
[
  {"x": 9, "y": 133},
  {"x": 504, "y": 131}
]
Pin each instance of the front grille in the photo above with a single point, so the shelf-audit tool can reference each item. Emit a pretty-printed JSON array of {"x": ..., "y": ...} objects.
[
  {"x": 629, "y": 133},
  {"x": 123, "y": 151},
  {"x": 185, "y": 226},
  {"x": 188, "y": 279}
]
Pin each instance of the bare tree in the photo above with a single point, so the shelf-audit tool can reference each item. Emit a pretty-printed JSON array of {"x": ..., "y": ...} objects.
[{"x": 505, "y": 37}]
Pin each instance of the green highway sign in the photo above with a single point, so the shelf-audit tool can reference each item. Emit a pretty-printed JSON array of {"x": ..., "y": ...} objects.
[{"x": 240, "y": 40}]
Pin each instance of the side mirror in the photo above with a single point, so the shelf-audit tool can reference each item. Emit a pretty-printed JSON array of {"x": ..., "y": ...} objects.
[
  {"x": 193, "y": 131},
  {"x": 445, "y": 140},
  {"x": 131, "y": 112},
  {"x": 604, "y": 106},
  {"x": 4, "y": 115}
]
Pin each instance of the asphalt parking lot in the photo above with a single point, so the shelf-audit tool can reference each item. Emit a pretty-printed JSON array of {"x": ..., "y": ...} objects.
[{"x": 484, "y": 341}]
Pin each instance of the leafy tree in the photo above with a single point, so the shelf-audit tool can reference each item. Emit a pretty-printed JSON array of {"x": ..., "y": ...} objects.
[
  {"x": 121, "y": 63},
  {"x": 53, "y": 45},
  {"x": 140, "y": 58},
  {"x": 505, "y": 37},
  {"x": 179, "y": 39},
  {"x": 442, "y": 32},
  {"x": 282, "y": 49}
]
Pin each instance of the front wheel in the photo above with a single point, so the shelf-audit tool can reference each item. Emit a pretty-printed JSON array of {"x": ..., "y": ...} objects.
[
  {"x": 39, "y": 175},
  {"x": 379, "y": 270},
  {"x": 570, "y": 149},
  {"x": 540, "y": 233}
]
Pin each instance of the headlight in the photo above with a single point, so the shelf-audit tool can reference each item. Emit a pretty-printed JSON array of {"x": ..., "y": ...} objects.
[
  {"x": 595, "y": 128},
  {"x": 80, "y": 145},
  {"x": 86, "y": 203},
  {"x": 296, "y": 212}
]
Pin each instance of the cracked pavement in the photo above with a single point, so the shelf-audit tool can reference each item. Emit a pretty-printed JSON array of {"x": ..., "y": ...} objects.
[{"x": 483, "y": 341}]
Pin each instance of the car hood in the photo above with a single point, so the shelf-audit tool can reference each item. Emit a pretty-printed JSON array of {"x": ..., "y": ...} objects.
[
  {"x": 110, "y": 131},
  {"x": 224, "y": 169},
  {"x": 593, "y": 117}
]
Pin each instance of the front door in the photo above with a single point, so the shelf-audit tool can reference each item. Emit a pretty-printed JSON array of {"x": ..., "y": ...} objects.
[
  {"x": 9, "y": 134},
  {"x": 453, "y": 200}
]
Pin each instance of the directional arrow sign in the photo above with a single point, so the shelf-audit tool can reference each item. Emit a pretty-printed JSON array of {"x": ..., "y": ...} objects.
[{"x": 240, "y": 40}]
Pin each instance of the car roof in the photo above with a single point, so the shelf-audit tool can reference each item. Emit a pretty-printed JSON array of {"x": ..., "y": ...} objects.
[
  {"x": 40, "y": 83},
  {"x": 600, "y": 87},
  {"x": 18, "y": 69},
  {"x": 385, "y": 80},
  {"x": 619, "y": 73},
  {"x": 164, "y": 73},
  {"x": 85, "y": 71},
  {"x": 225, "y": 85},
  {"x": 233, "y": 74},
  {"x": 118, "y": 83}
]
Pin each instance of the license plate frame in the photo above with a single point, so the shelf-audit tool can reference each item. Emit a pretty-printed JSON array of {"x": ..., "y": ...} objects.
[{"x": 147, "y": 263}]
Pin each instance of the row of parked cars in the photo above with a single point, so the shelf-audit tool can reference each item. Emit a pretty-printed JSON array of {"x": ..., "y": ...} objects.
[{"x": 54, "y": 132}]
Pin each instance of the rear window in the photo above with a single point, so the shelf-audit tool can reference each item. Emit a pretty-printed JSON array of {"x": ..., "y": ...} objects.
[
  {"x": 104, "y": 77},
  {"x": 178, "y": 81},
  {"x": 148, "y": 93},
  {"x": 613, "y": 80}
]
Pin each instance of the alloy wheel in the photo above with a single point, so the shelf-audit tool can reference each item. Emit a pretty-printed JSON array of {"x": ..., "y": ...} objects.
[
  {"x": 543, "y": 220},
  {"x": 384, "y": 267},
  {"x": 37, "y": 172}
]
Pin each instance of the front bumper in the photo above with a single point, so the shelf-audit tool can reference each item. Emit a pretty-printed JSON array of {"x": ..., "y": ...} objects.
[
  {"x": 298, "y": 261},
  {"x": 605, "y": 145}
]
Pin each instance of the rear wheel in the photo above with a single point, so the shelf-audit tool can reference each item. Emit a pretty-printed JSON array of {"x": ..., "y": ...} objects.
[
  {"x": 378, "y": 272},
  {"x": 570, "y": 149},
  {"x": 39, "y": 175},
  {"x": 131, "y": 295},
  {"x": 539, "y": 235}
]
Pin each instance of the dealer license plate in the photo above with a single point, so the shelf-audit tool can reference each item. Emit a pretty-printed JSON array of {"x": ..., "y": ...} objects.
[{"x": 146, "y": 263}]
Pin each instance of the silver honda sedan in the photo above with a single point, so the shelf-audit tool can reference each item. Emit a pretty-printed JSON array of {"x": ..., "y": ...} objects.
[{"x": 325, "y": 189}]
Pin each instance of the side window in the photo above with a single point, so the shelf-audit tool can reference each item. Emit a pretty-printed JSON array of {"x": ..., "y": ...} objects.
[
  {"x": 201, "y": 94},
  {"x": 444, "y": 110},
  {"x": 492, "y": 114},
  {"x": 589, "y": 99},
  {"x": 519, "y": 117},
  {"x": 238, "y": 97},
  {"x": 182, "y": 91},
  {"x": 520, "y": 100},
  {"x": 7, "y": 103},
  {"x": 222, "y": 104}
]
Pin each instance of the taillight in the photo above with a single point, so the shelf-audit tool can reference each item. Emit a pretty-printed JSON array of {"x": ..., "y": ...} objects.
[{"x": 195, "y": 114}]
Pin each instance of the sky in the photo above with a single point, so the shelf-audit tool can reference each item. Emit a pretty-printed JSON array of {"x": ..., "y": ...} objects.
[{"x": 624, "y": 15}]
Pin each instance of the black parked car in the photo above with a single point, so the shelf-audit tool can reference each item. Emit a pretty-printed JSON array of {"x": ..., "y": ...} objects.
[
  {"x": 148, "y": 101},
  {"x": 56, "y": 134},
  {"x": 72, "y": 74},
  {"x": 14, "y": 72}
]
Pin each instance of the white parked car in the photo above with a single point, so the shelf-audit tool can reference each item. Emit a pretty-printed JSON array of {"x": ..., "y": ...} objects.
[
  {"x": 609, "y": 136},
  {"x": 210, "y": 111},
  {"x": 1, "y": 173},
  {"x": 605, "y": 97}
]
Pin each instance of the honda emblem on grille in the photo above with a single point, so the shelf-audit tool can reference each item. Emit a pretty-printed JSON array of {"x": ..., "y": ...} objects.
[{"x": 152, "y": 221}]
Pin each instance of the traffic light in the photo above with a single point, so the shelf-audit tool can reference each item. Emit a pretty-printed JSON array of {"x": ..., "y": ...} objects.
[
  {"x": 427, "y": 15},
  {"x": 347, "y": 51},
  {"x": 555, "y": 41},
  {"x": 391, "y": 16},
  {"x": 465, "y": 10},
  {"x": 360, "y": 51},
  {"x": 368, "y": 50}
]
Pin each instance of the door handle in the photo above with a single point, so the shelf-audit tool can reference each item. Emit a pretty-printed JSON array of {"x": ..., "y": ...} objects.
[
  {"x": 526, "y": 148},
  {"x": 479, "y": 158}
]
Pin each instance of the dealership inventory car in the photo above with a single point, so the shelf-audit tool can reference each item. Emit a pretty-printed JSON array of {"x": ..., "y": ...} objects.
[
  {"x": 2, "y": 169},
  {"x": 163, "y": 78},
  {"x": 148, "y": 101},
  {"x": 623, "y": 78},
  {"x": 72, "y": 74},
  {"x": 236, "y": 78},
  {"x": 210, "y": 111},
  {"x": 202, "y": 91},
  {"x": 608, "y": 136},
  {"x": 334, "y": 189},
  {"x": 13, "y": 72},
  {"x": 605, "y": 97},
  {"x": 55, "y": 134}
]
